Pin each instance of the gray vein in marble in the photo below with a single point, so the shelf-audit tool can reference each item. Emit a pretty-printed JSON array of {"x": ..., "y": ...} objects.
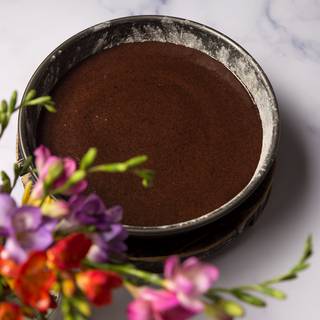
[{"x": 305, "y": 48}]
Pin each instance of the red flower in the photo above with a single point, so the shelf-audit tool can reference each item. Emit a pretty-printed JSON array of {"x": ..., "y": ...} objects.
[
  {"x": 34, "y": 281},
  {"x": 10, "y": 311},
  {"x": 69, "y": 252},
  {"x": 97, "y": 285}
]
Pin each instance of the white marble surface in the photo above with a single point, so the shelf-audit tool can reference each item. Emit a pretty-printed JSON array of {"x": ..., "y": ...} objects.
[{"x": 283, "y": 35}]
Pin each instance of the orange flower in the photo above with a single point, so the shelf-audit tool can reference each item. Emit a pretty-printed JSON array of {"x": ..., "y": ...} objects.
[
  {"x": 8, "y": 268},
  {"x": 34, "y": 282},
  {"x": 69, "y": 252},
  {"x": 97, "y": 285},
  {"x": 10, "y": 311}
]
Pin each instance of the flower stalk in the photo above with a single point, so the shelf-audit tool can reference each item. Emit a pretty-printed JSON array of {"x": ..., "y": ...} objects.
[{"x": 129, "y": 271}]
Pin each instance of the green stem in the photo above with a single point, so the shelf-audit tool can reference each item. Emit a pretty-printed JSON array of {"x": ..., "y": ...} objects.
[
  {"x": 66, "y": 232},
  {"x": 43, "y": 199},
  {"x": 229, "y": 291},
  {"x": 128, "y": 270}
]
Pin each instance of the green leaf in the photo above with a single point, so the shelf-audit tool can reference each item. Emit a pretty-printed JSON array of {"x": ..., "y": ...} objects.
[
  {"x": 248, "y": 298},
  {"x": 88, "y": 159},
  {"x": 232, "y": 308}
]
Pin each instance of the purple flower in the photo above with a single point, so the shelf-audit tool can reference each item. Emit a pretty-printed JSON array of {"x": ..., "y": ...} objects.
[
  {"x": 109, "y": 244},
  {"x": 25, "y": 229},
  {"x": 46, "y": 161},
  {"x": 109, "y": 239},
  {"x": 7, "y": 207},
  {"x": 91, "y": 211},
  {"x": 154, "y": 304},
  {"x": 190, "y": 280}
]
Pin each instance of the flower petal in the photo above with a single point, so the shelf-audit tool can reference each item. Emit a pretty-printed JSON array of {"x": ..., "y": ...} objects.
[
  {"x": 26, "y": 218},
  {"x": 7, "y": 208},
  {"x": 34, "y": 282},
  {"x": 171, "y": 266},
  {"x": 41, "y": 154},
  {"x": 10, "y": 311},
  {"x": 115, "y": 213},
  {"x": 97, "y": 285},
  {"x": 140, "y": 310},
  {"x": 69, "y": 252},
  {"x": 37, "y": 240},
  {"x": 13, "y": 250}
]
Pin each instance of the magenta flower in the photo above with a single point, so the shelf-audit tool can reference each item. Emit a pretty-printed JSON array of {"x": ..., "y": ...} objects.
[
  {"x": 154, "y": 304},
  {"x": 46, "y": 161},
  {"x": 190, "y": 280},
  {"x": 25, "y": 229}
]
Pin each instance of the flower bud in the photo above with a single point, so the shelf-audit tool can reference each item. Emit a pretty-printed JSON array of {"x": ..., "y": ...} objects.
[
  {"x": 54, "y": 172},
  {"x": 68, "y": 287},
  {"x": 3, "y": 106},
  {"x": 88, "y": 158},
  {"x": 13, "y": 101}
]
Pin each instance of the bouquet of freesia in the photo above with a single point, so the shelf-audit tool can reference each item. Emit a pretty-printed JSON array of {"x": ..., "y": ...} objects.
[{"x": 63, "y": 247}]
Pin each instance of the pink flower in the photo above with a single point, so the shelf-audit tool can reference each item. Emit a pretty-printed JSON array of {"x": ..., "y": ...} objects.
[
  {"x": 190, "y": 280},
  {"x": 45, "y": 162},
  {"x": 154, "y": 304}
]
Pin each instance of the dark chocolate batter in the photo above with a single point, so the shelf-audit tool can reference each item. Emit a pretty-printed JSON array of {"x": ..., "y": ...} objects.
[{"x": 186, "y": 111}]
